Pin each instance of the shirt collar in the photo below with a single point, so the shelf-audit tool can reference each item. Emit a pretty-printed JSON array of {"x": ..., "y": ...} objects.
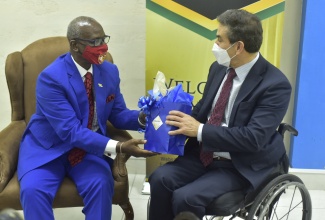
[
  {"x": 243, "y": 70},
  {"x": 82, "y": 70}
]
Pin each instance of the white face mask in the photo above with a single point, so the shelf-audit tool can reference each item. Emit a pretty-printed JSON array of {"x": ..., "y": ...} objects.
[{"x": 222, "y": 55}]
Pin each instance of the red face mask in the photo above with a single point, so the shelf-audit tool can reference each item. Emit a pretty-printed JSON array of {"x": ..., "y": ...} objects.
[{"x": 95, "y": 55}]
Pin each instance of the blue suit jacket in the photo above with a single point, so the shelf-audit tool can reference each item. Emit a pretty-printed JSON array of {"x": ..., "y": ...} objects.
[
  {"x": 60, "y": 120},
  {"x": 251, "y": 137}
]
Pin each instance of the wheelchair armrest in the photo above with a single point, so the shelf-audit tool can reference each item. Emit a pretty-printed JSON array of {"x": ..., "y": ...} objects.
[
  {"x": 283, "y": 127},
  {"x": 9, "y": 146}
]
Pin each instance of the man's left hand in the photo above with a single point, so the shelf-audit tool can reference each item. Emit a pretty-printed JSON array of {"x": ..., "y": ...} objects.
[{"x": 187, "y": 125}]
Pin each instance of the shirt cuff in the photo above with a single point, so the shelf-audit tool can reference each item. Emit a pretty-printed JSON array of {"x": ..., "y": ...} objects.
[
  {"x": 199, "y": 133},
  {"x": 111, "y": 147}
]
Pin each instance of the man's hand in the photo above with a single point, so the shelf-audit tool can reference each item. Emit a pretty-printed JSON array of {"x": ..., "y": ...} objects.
[
  {"x": 187, "y": 125},
  {"x": 131, "y": 147}
]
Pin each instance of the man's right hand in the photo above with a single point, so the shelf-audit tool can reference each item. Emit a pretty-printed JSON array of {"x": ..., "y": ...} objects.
[{"x": 131, "y": 147}]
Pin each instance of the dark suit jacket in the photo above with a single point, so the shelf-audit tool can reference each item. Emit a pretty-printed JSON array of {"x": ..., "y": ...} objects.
[
  {"x": 60, "y": 120},
  {"x": 251, "y": 137}
]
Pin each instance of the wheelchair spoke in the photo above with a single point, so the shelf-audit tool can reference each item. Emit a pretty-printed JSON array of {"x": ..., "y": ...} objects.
[
  {"x": 274, "y": 212},
  {"x": 291, "y": 209},
  {"x": 294, "y": 192},
  {"x": 272, "y": 205}
]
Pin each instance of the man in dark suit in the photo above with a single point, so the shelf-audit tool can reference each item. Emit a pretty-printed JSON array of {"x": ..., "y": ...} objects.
[
  {"x": 233, "y": 143},
  {"x": 76, "y": 95}
]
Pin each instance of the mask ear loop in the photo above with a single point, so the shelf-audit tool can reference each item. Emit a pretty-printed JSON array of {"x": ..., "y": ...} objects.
[
  {"x": 237, "y": 49},
  {"x": 230, "y": 47}
]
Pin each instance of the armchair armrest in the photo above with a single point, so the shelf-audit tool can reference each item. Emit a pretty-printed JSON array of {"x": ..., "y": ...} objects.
[
  {"x": 119, "y": 168},
  {"x": 120, "y": 174},
  {"x": 9, "y": 147}
]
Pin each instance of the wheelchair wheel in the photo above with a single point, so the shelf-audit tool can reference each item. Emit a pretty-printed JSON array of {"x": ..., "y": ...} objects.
[{"x": 285, "y": 197}]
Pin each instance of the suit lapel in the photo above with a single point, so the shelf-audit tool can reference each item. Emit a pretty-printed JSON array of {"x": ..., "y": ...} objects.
[
  {"x": 79, "y": 89},
  {"x": 252, "y": 80},
  {"x": 99, "y": 87},
  {"x": 217, "y": 78}
]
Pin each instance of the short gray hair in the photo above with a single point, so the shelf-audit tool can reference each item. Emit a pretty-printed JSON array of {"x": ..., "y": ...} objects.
[{"x": 243, "y": 26}]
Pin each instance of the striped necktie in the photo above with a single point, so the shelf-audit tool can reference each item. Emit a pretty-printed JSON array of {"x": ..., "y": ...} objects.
[
  {"x": 218, "y": 113},
  {"x": 76, "y": 154}
]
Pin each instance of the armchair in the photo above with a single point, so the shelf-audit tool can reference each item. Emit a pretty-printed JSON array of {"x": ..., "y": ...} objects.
[{"x": 22, "y": 69}]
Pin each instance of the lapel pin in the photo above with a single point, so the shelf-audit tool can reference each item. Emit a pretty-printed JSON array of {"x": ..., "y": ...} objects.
[{"x": 100, "y": 85}]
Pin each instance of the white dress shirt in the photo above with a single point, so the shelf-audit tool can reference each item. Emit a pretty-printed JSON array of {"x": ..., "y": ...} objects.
[
  {"x": 241, "y": 73},
  {"x": 111, "y": 144}
]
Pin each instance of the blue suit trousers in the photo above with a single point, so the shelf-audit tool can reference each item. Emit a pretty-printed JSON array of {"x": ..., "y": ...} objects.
[{"x": 92, "y": 177}]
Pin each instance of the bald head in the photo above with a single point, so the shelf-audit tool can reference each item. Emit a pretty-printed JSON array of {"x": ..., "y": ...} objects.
[{"x": 80, "y": 26}]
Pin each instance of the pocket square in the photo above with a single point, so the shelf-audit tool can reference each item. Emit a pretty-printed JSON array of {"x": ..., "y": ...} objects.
[{"x": 110, "y": 98}]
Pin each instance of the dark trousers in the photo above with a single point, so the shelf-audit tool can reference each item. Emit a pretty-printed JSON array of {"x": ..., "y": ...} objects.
[{"x": 186, "y": 185}]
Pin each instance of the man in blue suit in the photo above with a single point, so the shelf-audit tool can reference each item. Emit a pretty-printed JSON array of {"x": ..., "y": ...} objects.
[
  {"x": 76, "y": 95},
  {"x": 244, "y": 147}
]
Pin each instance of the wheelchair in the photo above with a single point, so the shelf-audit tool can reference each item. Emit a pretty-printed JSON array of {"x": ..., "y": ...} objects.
[{"x": 280, "y": 196}]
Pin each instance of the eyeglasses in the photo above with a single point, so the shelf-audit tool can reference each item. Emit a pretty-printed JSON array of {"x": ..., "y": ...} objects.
[{"x": 96, "y": 42}]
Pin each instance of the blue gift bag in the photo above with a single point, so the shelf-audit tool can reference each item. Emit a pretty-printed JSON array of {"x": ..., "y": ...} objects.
[
  {"x": 157, "y": 107},
  {"x": 156, "y": 134}
]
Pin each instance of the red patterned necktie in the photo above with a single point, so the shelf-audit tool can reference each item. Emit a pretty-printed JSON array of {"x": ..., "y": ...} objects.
[
  {"x": 77, "y": 154},
  {"x": 218, "y": 112}
]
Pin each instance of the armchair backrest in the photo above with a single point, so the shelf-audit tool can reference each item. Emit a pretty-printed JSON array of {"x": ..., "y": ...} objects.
[{"x": 22, "y": 69}]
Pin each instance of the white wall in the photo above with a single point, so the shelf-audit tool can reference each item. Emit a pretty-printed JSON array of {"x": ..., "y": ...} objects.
[{"x": 24, "y": 21}]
